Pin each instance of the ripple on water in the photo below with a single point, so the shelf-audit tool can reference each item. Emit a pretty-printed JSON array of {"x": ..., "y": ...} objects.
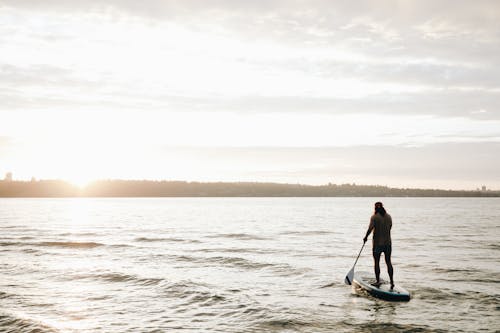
[
  {"x": 388, "y": 327},
  {"x": 124, "y": 273},
  {"x": 115, "y": 277},
  {"x": 4, "y": 295},
  {"x": 240, "y": 236},
  {"x": 283, "y": 269},
  {"x": 467, "y": 275},
  {"x": 471, "y": 297},
  {"x": 308, "y": 233},
  {"x": 252, "y": 250},
  {"x": 71, "y": 245},
  {"x": 165, "y": 239},
  {"x": 18, "y": 324}
]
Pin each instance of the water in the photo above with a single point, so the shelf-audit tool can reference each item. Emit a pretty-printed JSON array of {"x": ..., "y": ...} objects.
[{"x": 243, "y": 265}]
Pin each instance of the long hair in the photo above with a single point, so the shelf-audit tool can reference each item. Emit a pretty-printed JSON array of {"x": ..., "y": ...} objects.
[{"x": 379, "y": 208}]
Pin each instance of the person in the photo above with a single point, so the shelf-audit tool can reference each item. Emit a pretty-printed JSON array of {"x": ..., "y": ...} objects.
[{"x": 381, "y": 224}]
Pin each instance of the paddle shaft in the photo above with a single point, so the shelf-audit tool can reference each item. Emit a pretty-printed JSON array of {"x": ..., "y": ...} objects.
[
  {"x": 359, "y": 254},
  {"x": 349, "y": 276}
]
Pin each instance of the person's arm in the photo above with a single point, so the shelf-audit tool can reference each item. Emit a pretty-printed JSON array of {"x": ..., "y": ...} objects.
[{"x": 368, "y": 232}]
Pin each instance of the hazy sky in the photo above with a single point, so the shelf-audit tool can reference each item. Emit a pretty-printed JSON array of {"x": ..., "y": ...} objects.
[{"x": 398, "y": 93}]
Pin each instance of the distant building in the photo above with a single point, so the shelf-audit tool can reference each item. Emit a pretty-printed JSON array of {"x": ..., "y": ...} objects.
[
  {"x": 8, "y": 177},
  {"x": 483, "y": 188}
]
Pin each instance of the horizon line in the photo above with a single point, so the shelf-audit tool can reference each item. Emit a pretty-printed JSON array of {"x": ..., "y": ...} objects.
[{"x": 88, "y": 183}]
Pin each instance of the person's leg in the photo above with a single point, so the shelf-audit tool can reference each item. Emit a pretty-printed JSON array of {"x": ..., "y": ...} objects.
[
  {"x": 376, "y": 261},
  {"x": 390, "y": 270}
]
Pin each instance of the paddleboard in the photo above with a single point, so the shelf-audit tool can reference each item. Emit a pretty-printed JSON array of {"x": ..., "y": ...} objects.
[{"x": 364, "y": 281}]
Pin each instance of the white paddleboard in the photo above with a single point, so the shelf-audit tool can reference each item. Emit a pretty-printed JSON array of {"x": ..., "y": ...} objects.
[{"x": 384, "y": 291}]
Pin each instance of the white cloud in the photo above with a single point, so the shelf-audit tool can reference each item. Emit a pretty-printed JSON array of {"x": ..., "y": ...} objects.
[
  {"x": 248, "y": 73},
  {"x": 187, "y": 55}
]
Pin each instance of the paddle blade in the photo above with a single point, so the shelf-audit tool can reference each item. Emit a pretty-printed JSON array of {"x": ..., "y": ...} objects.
[{"x": 349, "y": 276}]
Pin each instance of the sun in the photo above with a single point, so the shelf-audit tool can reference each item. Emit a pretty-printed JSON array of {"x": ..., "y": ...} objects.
[{"x": 80, "y": 181}]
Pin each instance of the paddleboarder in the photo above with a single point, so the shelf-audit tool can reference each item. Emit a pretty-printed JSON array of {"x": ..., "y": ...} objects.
[{"x": 381, "y": 224}]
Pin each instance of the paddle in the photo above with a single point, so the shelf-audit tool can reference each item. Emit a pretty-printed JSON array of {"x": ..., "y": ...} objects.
[{"x": 350, "y": 275}]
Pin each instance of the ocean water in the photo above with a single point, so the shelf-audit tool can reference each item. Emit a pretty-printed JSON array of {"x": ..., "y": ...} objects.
[{"x": 243, "y": 265}]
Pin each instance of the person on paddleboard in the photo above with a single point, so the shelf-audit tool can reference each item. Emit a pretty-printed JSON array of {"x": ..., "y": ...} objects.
[{"x": 381, "y": 224}]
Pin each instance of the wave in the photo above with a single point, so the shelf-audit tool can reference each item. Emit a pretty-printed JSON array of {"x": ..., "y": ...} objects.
[
  {"x": 71, "y": 234},
  {"x": 488, "y": 280},
  {"x": 331, "y": 284},
  {"x": 31, "y": 251},
  {"x": 494, "y": 246},
  {"x": 12, "y": 323},
  {"x": 118, "y": 277},
  {"x": 30, "y": 247},
  {"x": 454, "y": 270},
  {"x": 284, "y": 324},
  {"x": 468, "y": 275},
  {"x": 476, "y": 297},
  {"x": 12, "y": 244},
  {"x": 323, "y": 324},
  {"x": 220, "y": 260},
  {"x": 73, "y": 245},
  {"x": 240, "y": 236},
  {"x": 282, "y": 269},
  {"x": 205, "y": 299},
  {"x": 192, "y": 292},
  {"x": 238, "y": 262},
  {"x": 4, "y": 295},
  {"x": 484, "y": 299},
  {"x": 307, "y": 233},
  {"x": 114, "y": 277},
  {"x": 166, "y": 239},
  {"x": 430, "y": 293},
  {"x": 390, "y": 327},
  {"x": 238, "y": 250}
]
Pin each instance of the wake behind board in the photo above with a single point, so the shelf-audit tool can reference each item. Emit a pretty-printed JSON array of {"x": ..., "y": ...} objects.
[{"x": 364, "y": 280}]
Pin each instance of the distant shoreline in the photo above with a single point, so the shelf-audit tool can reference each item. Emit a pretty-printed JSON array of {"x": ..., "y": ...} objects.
[{"x": 147, "y": 188}]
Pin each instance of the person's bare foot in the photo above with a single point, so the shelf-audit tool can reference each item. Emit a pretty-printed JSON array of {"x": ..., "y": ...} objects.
[
  {"x": 392, "y": 284},
  {"x": 376, "y": 284}
]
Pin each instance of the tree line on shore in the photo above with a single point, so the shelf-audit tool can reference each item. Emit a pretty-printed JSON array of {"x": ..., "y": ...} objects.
[{"x": 147, "y": 188}]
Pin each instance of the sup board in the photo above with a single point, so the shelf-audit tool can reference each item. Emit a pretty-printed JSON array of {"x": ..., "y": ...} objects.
[{"x": 384, "y": 291}]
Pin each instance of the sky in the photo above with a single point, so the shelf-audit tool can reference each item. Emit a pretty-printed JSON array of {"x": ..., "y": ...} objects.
[{"x": 396, "y": 93}]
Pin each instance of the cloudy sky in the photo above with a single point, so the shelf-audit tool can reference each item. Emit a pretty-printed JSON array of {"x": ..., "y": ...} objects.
[{"x": 397, "y": 93}]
